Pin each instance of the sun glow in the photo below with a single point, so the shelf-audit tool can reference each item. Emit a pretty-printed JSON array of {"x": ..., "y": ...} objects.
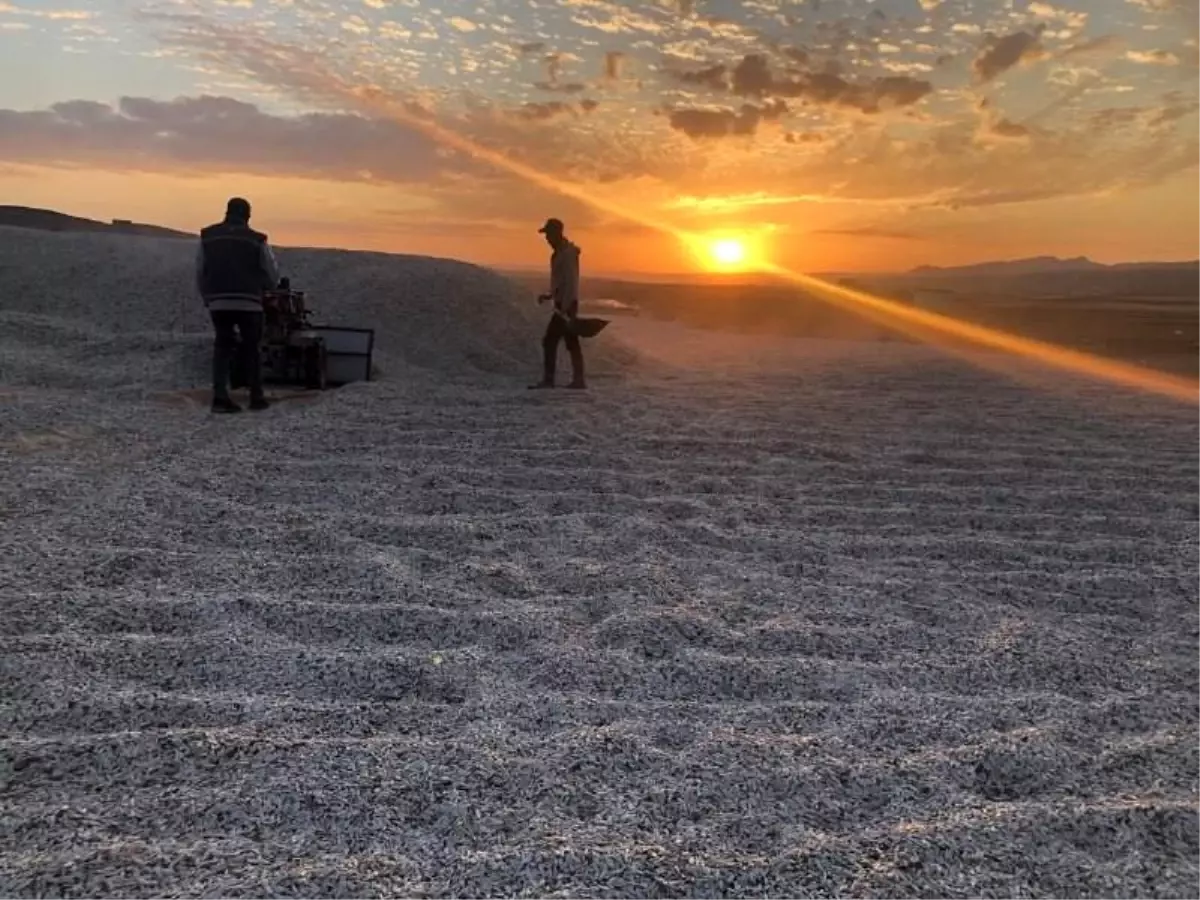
[
  {"x": 724, "y": 252},
  {"x": 727, "y": 252}
]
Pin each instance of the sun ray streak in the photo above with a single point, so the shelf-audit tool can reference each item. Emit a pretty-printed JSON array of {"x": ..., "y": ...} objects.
[{"x": 917, "y": 321}]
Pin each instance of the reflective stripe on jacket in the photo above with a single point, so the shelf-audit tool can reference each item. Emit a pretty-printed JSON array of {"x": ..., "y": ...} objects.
[{"x": 234, "y": 265}]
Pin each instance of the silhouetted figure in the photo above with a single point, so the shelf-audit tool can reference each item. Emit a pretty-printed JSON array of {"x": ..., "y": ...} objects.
[
  {"x": 234, "y": 265},
  {"x": 564, "y": 292}
]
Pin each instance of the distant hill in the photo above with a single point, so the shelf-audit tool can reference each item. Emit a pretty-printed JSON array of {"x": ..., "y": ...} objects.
[
  {"x": 49, "y": 220},
  {"x": 1035, "y": 265}
]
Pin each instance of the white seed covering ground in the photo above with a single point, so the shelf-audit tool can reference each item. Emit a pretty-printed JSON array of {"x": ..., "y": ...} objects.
[{"x": 875, "y": 623}]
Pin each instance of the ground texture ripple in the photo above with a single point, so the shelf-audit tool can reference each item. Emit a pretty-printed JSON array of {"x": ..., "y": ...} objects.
[{"x": 868, "y": 628}]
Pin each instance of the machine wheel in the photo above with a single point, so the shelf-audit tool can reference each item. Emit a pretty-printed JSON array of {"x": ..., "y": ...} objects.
[{"x": 314, "y": 366}]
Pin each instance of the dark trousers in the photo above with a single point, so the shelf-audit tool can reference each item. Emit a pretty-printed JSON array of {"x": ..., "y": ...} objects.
[
  {"x": 557, "y": 331},
  {"x": 249, "y": 328}
]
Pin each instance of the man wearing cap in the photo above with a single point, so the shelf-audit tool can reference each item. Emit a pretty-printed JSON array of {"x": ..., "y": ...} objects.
[
  {"x": 234, "y": 265},
  {"x": 564, "y": 292}
]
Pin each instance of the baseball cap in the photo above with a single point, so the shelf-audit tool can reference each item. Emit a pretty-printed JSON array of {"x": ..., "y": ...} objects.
[{"x": 551, "y": 225}]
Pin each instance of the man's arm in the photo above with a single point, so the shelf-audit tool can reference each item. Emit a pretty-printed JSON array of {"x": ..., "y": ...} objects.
[
  {"x": 200, "y": 268},
  {"x": 564, "y": 282},
  {"x": 270, "y": 267},
  {"x": 556, "y": 279},
  {"x": 571, "y": 285}
]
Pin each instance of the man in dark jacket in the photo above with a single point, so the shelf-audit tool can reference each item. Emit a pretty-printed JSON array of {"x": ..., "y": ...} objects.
[{"x": 234, "y": 265}]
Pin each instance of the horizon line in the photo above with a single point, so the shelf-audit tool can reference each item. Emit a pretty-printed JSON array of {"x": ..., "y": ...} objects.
[{"x": 116, "y": 225}]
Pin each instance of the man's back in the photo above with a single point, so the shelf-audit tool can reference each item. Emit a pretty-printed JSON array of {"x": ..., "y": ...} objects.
[{"x": 234, "y": 265}]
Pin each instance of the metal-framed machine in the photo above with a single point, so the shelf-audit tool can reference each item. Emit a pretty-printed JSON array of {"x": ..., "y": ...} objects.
[{"x": 295, "y": 351}]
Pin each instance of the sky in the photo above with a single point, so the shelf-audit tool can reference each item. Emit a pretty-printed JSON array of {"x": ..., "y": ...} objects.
[{"x": 820, "y": 135}]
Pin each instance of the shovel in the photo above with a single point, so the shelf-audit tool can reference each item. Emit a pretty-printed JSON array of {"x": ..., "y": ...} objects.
[
  {"x": 586, "y": 328},
  {"x": 580, "y": 327}
]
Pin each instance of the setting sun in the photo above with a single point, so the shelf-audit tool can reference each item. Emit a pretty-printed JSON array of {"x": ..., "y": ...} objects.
[
  {"x": 727, "y": 252},
  {"x": 736, "y": 252}
]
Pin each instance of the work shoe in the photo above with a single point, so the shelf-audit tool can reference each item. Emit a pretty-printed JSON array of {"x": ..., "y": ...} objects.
[
  {"x": 259, "y": 403},
  {"x": 541, "y": 386},
  {"x": 225, "y": 405}
]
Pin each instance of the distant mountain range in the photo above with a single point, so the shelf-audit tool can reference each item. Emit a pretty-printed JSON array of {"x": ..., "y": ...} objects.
[
  {"x": 1035, "y": 265},
  {"x": 49, "y": 220}
]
